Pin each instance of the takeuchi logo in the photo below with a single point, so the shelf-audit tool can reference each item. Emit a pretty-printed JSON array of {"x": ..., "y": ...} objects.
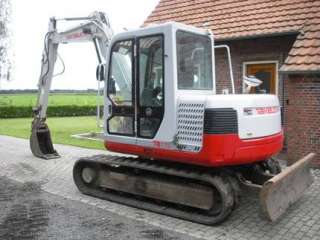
[
  {"x": 76, "y": 35},
  {"x": 267, "y": 110}
]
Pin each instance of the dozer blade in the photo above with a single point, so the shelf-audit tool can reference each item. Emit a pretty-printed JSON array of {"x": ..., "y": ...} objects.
[
  {"x": 40, "y": 141},
  {"x": 282, "y": 190}
]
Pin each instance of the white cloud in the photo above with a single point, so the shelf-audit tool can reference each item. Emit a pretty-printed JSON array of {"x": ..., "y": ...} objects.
[{"x": 30, "y": 21}]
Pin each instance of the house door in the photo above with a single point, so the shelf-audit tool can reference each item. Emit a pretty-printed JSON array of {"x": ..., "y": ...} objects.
[{"x": 266, "y": 73}]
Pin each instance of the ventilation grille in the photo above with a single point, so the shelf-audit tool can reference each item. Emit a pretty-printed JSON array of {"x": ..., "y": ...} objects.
[
  {"x": 190, "y": 126},
  {"x": 220, "y": 121}
]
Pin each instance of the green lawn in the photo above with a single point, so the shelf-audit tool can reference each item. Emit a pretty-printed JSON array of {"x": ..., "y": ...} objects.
[
  {"x": 55, "y": 99},
  {"x": 61, "y": 129}
]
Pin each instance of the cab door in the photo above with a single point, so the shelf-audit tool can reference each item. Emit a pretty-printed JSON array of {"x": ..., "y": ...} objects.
[
  {"x": 136, "y": 87},
  {"x": 121, "y": 89},
  {"x": 150, "y": 85}
]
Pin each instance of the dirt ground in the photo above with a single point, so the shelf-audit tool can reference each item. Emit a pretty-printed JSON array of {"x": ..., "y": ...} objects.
[{"x": 27, "y": 212}]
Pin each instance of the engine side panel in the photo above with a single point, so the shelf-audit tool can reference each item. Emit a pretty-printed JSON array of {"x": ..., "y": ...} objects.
[
  {"x": 258, "y": 115},
  {"x": 217, "y": 150}
]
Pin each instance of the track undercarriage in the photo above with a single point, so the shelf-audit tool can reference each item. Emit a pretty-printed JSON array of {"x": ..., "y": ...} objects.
[
  {"x": 182, "y": 192},
  {"x": 194, "y": 193}
]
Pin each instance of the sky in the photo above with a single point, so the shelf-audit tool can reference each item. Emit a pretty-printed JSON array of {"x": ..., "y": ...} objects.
[{"x": 29, "y": 24}]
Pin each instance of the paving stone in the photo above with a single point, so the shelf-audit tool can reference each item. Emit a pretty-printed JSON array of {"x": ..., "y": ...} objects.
[{"x": 301, "y": 221}]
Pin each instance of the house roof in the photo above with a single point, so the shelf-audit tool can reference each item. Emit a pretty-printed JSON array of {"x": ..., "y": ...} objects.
[
  {"x": 236, "y": 19},
  {"x": 304, "y": 55}
]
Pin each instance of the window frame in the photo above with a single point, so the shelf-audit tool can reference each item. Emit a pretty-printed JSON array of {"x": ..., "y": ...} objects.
[{"x": 276, "y": 62}]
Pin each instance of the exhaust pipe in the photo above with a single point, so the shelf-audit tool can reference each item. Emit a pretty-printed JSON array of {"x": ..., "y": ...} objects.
[{"x": 40, "y": 140}]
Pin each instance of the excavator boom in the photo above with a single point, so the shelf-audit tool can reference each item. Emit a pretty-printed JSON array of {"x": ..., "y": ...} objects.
[{"x": 95, "y": 28}]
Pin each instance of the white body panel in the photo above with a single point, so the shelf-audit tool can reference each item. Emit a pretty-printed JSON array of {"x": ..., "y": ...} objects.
[{"x": 250, "y": 126}]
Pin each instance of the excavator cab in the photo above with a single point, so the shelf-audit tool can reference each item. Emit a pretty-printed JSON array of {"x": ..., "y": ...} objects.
[{"x": 149, "y": 70}]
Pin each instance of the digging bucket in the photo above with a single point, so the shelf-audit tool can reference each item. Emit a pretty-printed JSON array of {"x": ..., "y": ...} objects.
[{"x": 40, "y": 141}]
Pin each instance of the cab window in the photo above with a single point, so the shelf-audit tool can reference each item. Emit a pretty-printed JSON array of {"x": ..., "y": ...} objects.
[
  {"x": 151, "y": 85},
  {"x": 151, "y": 71},
  {"x": 194, "y": 60},
  {"x": 120, "y": 76}
]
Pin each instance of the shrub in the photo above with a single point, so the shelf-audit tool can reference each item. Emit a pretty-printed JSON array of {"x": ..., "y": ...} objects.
[{"x": 53, "y": 111}]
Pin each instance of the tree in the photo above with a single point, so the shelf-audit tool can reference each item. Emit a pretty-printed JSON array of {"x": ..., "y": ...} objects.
[{"x": 5, "y": 40}]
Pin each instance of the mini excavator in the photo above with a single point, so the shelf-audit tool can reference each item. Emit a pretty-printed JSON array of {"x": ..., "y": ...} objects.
[{"x": 193, "y": 152}]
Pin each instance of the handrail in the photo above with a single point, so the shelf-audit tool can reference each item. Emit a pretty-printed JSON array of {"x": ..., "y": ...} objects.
[{"x": 230, "y": 65}]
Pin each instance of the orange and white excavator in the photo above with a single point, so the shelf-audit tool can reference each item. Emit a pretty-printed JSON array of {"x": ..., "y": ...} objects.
[{"x": 194, "y": 152}]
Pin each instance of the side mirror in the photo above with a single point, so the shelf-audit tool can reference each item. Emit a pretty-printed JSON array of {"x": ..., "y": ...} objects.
[{"x": 100, "y": 72}]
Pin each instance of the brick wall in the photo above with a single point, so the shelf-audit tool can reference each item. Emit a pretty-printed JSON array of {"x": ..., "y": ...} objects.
[
  {"x": 302, "y": 116},
  {"x": 259, "y": 49},
  {"x": 300, "y": 97}
]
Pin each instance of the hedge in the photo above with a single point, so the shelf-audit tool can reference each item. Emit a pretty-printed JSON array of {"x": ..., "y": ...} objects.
[{"x": 53, "y": 111}]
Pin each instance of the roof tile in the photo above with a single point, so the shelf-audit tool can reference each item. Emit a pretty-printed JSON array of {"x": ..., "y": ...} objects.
[{"x": 233, "y": 19}]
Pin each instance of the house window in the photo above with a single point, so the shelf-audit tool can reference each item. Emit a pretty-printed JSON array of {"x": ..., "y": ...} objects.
[{"x": 266, "y": 72}]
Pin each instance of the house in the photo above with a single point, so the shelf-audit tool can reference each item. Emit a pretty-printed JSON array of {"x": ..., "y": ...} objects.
[{"x": 278, "y": 42}]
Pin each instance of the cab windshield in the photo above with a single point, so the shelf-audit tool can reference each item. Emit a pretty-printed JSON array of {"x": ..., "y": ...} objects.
[{"x": 194, "y": 56}]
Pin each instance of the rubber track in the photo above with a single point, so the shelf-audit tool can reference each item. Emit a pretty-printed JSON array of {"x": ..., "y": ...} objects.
[{"x": 179, "y": 170}]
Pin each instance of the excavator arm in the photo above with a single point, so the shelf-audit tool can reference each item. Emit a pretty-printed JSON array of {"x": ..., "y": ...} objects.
[{"x": 94, "y": 28}]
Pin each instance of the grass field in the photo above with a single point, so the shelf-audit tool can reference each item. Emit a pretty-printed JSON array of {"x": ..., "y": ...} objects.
[
  {"x": 61, "y": 129},
  {"x": 55, "y": 99}
]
